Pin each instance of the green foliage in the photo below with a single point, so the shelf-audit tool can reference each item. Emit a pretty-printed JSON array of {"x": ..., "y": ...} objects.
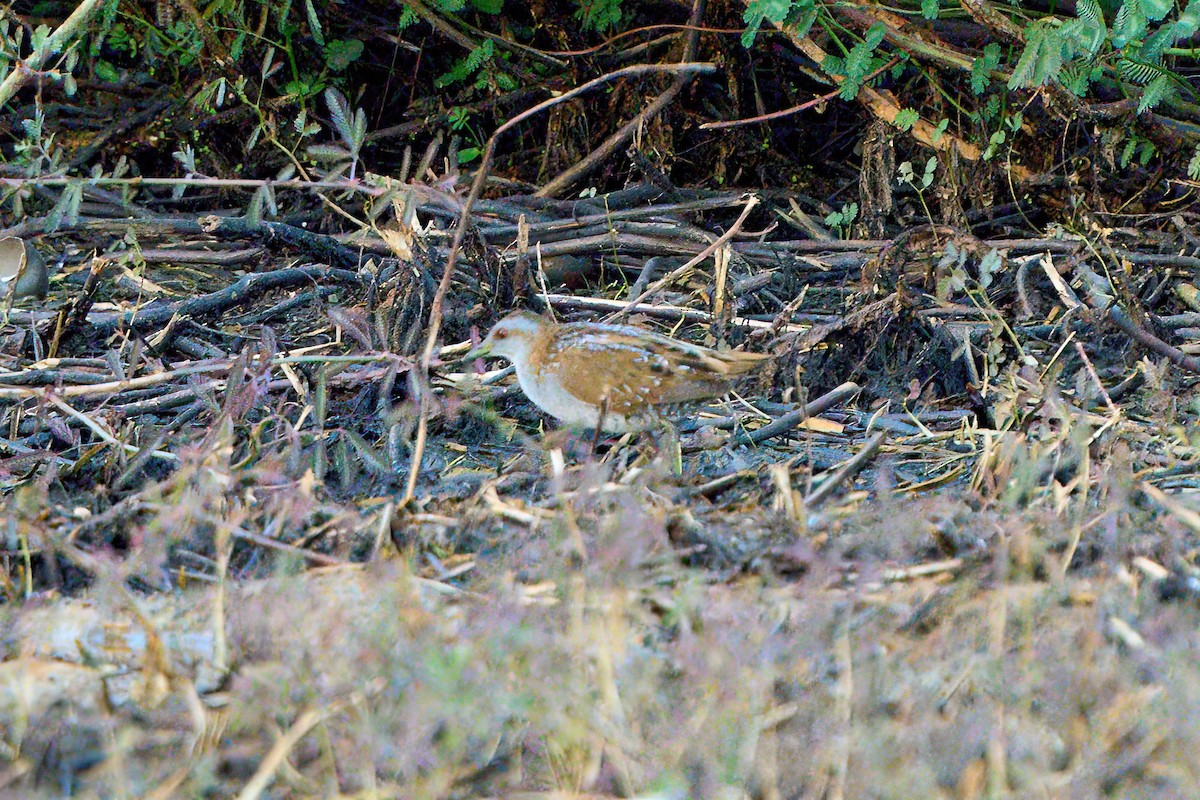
[
  {"x": 843, "y": 219},
  {"x": 920, "y": 183},
  {"x": 939, "y": 130},
  {"x": 341, "y": 53},
  {"x": 350, "y": 126},
  {"x": 906, "y": 118},
  {"x": 1042, "y": 58},
  {"x": 982, "y": 67},
  {"x": 1072, "y": 53},
  {"x": 600, "y": 16},
  {"x": 1193, "y": 167},
  {"x": 859, "y": 62},
  {"x": 66, "y": 210},
  {"x": 990, "y": 265},
  {"x": 1124, "y": 45},
  {"x": 758, "y": 11},
  {"x": 909, "y": 176},
  {"x": 1137, "y": 148},
  {"x": 314, "y": 23},
  {"x": 991, "y": 109},
  {"x": 466, "y": 67},
  {"x": 999, "y": 137},
  {"x": 460, "y": 123},
  {"x": 1156, "y": 91}
]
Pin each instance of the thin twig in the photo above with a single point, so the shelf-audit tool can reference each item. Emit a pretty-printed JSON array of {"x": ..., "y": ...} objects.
[
  {"x": 1152, "y": 342},
  {"x": 678, "y": 272},
  {"x": 846, "y": 471},
  {"x": 792, "y": 419}
]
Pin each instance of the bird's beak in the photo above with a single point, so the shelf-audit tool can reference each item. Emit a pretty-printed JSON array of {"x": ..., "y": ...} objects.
[{"x": 482, "y": 351}]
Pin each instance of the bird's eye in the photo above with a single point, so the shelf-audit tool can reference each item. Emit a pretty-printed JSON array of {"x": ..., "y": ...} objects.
[{"x": 500, "y": 333}]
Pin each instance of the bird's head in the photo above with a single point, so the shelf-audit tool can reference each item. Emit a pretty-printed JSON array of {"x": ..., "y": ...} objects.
[{"x": 512, "y": 337}]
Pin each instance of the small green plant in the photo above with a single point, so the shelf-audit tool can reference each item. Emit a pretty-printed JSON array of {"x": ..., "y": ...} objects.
[
  {"x": 479, "y": 64},
  {"x": 842, "y": 220},
  {"x": 919, "y": 184},
  {"x": 860, "y": 62},
  {"x": 460, "y": 123},
  {"x": 351, "y": 127},
  {"x": 600, "y": 16},
  {"x": 1193, "y": 167},
  {"x": 1138, "y": 148},
  {"x": 1012, "y": 122}
]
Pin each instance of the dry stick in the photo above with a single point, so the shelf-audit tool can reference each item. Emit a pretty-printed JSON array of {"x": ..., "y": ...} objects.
[
  {"x": 95, "y": 427},
  {"x": 238, "y": 293},
  {"x": 1152, "y": 342},
  {"x": 668, "y": 312},
  {"x": 787, "y": 112},
  {"x": 485, "y": 166},
  {"x": 110, "y": 387},
  {"x": 847, "y": 470},
  {"x": 564, "y": 226},
  {"x": 793, "y": 418},
  {"x": 146, "y": 381},
  {"x": 626, "y": 132},
  {"x": 279, "y": 751},
  {"x": 1087, "y": 363},
  {"x": 223, "y": 183},
  {"x": 675, "y": 274},
  {"x": 55, "y": 43}
]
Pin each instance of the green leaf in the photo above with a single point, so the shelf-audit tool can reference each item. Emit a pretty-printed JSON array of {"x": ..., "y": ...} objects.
[
  {"x": 1157, "y": 9},
  {"x": 1146, "y": 152},
  {"x": 599, "y": 15},
  {"x": 940, "y": 130},
  {"x": 991, "y": 108},
  {"x": 1092, "y": 29},
  {"x": 906, "y": 118},
  {"x": 1041, "y": 60},
  {"x": 1155, "y": 92},
  {"x": 775, "y": 11},
  {"x": 1130, "y": 23},
  {"x": 340, "y": 113},
  {"x": 929, "y": 9},
  {"x": 341, "y": 53},
  {"x": 488, "y": 6},
  {"x": 982, "y": 67},
  {"x": 67, "y": 207},
  {"x": 407, "y": 19},
  {"x": 468, "y": 66},
  {"x": 468, "y": 154},
  {"x": 1136, "y": 71},
  {"x": 1076, "y": 78},
  {"x": 370, "y": 459},
  {"x": 858, "y": 63},
  {"x": 989, "y": 265},
  {"x": 328, "y": 152},
  {"x": 1193, "y": 167},
  {"x": 107, "y": 72},
  {"x": 1188, "y": 21},
  {"x": 1127, "y": 152},
  {"x": 314, "y": 23}
]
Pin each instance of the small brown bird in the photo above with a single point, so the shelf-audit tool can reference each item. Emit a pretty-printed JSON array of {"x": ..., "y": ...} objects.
[
  {"x": 615, "y": 377},
  {"x": 23, "y": 271}
]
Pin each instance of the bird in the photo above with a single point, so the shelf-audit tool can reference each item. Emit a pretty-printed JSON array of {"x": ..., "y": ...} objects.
[
  {"x": 612, "y": 378},
  {"x": 23, "y": 272}
]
